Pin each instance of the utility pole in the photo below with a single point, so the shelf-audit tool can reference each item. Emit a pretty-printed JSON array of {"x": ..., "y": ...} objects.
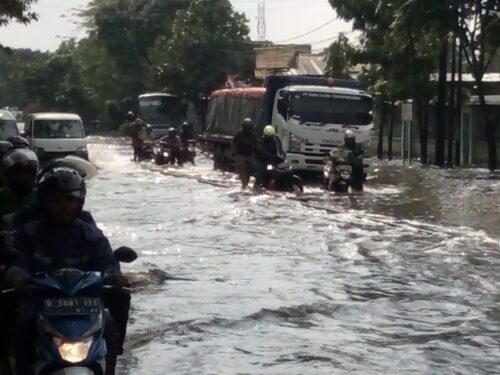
[{"x": 261, "y": 27}]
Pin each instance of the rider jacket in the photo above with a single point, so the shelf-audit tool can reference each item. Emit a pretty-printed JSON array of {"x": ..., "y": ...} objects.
[
  {"x": 271, "y": 151},
  {"x": 45, "y": 246},
  {"x": 245, "y": 143}
]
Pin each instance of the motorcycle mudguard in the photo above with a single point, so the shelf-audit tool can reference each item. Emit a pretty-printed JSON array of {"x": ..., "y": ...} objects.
[{"x": 74, "y": 371}]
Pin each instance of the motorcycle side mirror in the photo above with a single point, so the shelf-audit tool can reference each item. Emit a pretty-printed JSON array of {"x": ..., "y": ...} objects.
[
  {"x": 125, "y": 254},
  {"x": 9, "y": 257}
]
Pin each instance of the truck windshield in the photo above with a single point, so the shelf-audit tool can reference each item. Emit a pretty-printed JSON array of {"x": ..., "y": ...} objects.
[
  {"x": 157, "y": 110},
  {"x": 58, "y": 129},
  {"x": 330, "y": 108}
]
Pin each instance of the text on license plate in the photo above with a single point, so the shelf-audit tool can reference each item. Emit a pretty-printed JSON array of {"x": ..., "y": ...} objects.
[{"x": 72, "y": 306}]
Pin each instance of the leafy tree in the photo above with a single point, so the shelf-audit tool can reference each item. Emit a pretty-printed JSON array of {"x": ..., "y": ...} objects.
[
  {"x": 209, "y": 39},
  {"x": 339, "y": 58}
]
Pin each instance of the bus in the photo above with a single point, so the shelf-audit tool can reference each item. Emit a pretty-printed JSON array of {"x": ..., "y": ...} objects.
[{"x": 160, "y": 110}]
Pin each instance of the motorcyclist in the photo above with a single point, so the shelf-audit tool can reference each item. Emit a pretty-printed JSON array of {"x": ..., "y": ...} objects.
[
  {"x": 174, "y": 144},
  {"x": 136, "y": 132},
  {"x": 186, "y": 139},
  {"x": 186, "y": 134},
  {"x": 149, "y": 140},
  {"x": 60, "y": 239},
  {"x": 270, "y": 151},
  {"x": 5, "y": 146},
  {"x": 244, "y": 148},
  {"x": 353, "y": 154},
  {"x": 19, "y": 169}
]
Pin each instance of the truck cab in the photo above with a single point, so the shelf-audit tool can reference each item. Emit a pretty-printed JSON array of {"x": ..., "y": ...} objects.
[
  {"x": 55, "y": 135},
  {"x": 311, "y": 120}
]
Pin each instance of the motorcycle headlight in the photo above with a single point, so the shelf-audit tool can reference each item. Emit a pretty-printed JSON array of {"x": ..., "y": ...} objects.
[
  {"x": 294, "y": 143},
  {"x": 166, "y": 154},
  {"x": 73, "y": 351},
  {"x": 270, "y": 167}
]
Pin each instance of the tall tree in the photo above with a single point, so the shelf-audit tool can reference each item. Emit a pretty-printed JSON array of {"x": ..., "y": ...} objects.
[
  {"x": 339, "y": 58},
  {"x": 209, "y": 40}
]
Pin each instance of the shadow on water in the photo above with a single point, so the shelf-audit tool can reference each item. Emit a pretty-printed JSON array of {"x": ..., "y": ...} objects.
[{"x": 400, "y": 279}]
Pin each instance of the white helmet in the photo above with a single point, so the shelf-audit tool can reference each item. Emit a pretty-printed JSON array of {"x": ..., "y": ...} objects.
[{"x": 349, "y": 134}]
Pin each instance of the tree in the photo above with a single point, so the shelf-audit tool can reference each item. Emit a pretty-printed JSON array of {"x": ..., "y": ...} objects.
[
  {"x": 404, "y": 58},
  {"x": 128, "y": 29},
  {"x": 18, "y": 11},
  {"x": 478, "y": 26},
  {"x": 209, "y": 40},
  {"x": 339, "y": 57}
]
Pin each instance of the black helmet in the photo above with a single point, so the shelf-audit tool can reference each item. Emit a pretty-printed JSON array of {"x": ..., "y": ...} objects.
[
  {"x": 62, "y": 180},
  {"x": 20, "y": 158},
  {"x": 172, "y": 131},
  {"x": 247, "y": 124},
  {"x": 185, "y": 125},
  {"x": 18, "y": 142}
]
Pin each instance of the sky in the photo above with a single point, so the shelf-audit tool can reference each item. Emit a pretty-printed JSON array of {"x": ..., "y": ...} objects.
[{"x": 285, "y": 21}]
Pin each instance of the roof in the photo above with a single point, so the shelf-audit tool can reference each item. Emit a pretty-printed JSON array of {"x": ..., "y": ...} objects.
[
  {"x": 329, "y": 90},
  {"x": 153, "y": 94},
  {"x": 6, "y": 115},
  {"x": 308, "y": 65},
  {"x": 251, "y": 92},
  {"x": 55, "y": 116}
]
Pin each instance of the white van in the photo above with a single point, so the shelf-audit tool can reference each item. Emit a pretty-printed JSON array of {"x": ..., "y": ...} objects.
[{"x": 54, "y": 135}]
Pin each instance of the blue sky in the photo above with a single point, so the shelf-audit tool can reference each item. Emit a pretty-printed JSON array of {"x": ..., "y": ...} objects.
[{"x": 285, "y": 19}]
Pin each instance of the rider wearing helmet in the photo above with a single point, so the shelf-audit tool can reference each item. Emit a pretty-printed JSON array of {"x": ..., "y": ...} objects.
[
  {"x": 136, "y": 132},
  {"x": 270, "y": 151},
  {"x": 60, "y": 239},
  {"x": 186, "y": 134},
  {"x": 174, "y": 144},
  {"x": 244, "y": 148},
  {"x": 354, "y": 154},
  {"x": 19, "y": 170}
]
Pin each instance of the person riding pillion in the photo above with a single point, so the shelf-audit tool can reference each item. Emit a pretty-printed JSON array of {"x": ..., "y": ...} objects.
[
  {"x": 59, "y": 239},
  {"x": 270, "y": 151},
  {"x": 244, "y": 149}
]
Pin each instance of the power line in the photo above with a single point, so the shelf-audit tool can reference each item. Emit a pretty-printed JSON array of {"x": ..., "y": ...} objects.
[{"x": 309, "y": 32}]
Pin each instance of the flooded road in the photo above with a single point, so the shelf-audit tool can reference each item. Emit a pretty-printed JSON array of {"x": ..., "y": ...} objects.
[{"x": 403, "y": 279}]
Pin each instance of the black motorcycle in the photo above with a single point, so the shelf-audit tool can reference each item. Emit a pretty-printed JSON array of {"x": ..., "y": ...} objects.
[
  {"x": 280, "y": 177},
  {"x": 337, "y": 177}
]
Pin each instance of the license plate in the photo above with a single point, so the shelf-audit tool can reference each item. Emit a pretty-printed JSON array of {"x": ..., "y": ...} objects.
[{"x": 72, "y": 306}]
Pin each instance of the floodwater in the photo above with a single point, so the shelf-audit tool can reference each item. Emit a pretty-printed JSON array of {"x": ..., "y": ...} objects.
[{"x": 400, "y": 280}]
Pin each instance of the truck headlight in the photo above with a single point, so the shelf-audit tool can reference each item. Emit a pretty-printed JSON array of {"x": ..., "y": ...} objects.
[
  {"x": 294, "y": 143},
  {"x": 73, "y": 351}
]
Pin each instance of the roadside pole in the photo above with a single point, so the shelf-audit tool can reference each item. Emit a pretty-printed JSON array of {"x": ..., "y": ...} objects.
[{"x": 406, "y": 139}]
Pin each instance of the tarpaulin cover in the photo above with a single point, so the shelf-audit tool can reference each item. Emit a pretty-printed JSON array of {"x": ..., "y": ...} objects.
[{"x": 228, "y": 108}]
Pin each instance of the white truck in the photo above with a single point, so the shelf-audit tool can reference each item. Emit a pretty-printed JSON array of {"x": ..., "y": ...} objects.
[{"x": 310, "y": 114}]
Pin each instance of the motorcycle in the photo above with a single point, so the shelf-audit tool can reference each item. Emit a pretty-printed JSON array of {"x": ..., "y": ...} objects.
[
  {"x": 162, "y": 155},
  {"x": 280, "y": 177},
  {"x": 148, "y": 151},
  {"x": 188, "y": 153},
  {"x": 71, "y": 320},
  {"x": 337, "y": 176}
]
